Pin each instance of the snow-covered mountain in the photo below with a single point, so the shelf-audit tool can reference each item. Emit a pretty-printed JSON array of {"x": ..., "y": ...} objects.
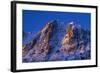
[{"x": 56, "y": 42}]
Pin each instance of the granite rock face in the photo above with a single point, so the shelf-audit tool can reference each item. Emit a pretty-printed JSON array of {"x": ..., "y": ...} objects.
[
  {"x": 38, "y": 48},
  {"x": 57, "y": 42}
]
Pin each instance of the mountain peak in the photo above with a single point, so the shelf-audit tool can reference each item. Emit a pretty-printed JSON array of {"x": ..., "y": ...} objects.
[
  {"x": 54, "y": 41},
  {"x": 71, "y": 23}
]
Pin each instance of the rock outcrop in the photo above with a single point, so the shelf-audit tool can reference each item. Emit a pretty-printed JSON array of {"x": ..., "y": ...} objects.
[
  {"x": 38, "y": 48},
  {"x": 58, "y": 43}
]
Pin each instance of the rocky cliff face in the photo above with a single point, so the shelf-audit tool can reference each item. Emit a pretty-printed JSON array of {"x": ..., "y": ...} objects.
[
  {"x": 38, "y": 48},
  {"x": 57, "y": 43}
]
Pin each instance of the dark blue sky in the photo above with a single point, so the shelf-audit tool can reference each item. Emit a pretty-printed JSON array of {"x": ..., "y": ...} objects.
[{"x": 33, "y": 21}]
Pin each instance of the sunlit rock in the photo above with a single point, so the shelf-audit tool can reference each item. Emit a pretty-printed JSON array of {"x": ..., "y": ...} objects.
[{"x": 58, "y": 42}]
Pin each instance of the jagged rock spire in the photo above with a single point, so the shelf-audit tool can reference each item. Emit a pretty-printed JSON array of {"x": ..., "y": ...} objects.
[
  {"x": 40, "y": 49},
  {"x": 43, "y": 48}
]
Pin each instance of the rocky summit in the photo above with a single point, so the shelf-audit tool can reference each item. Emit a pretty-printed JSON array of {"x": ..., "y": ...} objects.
[{"x": 56, "y": 42}]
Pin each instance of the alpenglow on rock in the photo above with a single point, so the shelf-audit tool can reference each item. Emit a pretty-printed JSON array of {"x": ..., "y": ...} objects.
[
  {"x": 56, "y": 42},
  {"x": 38, "y": 48}
]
